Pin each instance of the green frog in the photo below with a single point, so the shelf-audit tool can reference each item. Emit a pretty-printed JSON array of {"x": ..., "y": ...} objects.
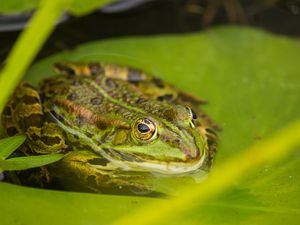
[{"x": 116, "y": 126}]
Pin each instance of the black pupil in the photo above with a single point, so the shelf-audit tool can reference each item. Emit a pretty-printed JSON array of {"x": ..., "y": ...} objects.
[{"x": 143, "y": 128}]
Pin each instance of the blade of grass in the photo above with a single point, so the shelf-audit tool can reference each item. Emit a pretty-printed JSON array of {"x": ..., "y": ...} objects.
[
  {"x": 27, "y": 162},
  {"x": 28, "y": 46},
  {"x": 220, "y": 179},
  {"x": 9, "y": 145}
]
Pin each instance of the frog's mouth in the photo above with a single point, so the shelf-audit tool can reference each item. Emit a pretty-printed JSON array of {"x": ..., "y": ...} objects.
[{"x": 129, "y": 162}]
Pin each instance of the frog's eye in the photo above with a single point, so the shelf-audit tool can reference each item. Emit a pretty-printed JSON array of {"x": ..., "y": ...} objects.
[
  {"x": 145, "y": 130},
  {"x": 193, "y": 116}
]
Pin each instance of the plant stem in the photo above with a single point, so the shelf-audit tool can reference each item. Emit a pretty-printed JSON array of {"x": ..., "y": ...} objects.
[{"x": 28, "y": 45}]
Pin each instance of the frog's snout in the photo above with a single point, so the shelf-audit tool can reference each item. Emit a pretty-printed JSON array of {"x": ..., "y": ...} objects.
[{"x": 190, "y": 151}]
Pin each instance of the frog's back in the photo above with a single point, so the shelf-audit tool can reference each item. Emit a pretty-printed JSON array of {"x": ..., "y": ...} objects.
[{"x": 104, "y": 95}]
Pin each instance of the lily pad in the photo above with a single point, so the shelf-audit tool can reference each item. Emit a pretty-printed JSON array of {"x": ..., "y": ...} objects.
[{"x": 251, "y": 81}]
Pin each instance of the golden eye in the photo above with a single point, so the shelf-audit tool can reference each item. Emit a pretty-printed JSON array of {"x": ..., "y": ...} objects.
[{"x": 145, "y": 130}]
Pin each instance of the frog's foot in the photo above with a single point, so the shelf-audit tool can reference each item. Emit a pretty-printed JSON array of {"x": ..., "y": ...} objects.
[{"x": 24, "y": 115}]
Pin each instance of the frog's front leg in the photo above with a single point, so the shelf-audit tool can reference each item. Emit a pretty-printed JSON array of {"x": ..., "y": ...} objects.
[
  {"x": 82, "y": 170},
  {"x": 24, "y": 115}
]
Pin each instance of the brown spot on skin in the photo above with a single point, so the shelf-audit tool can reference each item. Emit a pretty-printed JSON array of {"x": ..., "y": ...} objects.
[
  {"x": 11, "y": 131},
  {"x": 72, "y": 97},
  {"x": 6, "y": 111},
  {"x": 158, "y": 82},
  {"x": 169, "y": 114},
  {"x": 33, "y": 120},
  {"x": 134, "y": 75},
  {"x": 34, "y": 137},
  {"x": 110, "y": 83},
  {"x": 101, "y": 126},
  {"x": 166, "y": 97},
  {"x": 96, "y": 101},
  {"x": 96, "y": 69},
  {"x": 27, "y": 99},
  {"x": 98, "y": 161},
  {"x": 48, "y": 140}
]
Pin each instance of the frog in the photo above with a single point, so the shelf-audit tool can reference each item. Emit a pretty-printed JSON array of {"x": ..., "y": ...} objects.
[{"x": 116, "y": 125}]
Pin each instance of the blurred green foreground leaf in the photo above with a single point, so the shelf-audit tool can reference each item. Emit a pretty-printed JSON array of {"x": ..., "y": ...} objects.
[{"x": 251, "y": 80}]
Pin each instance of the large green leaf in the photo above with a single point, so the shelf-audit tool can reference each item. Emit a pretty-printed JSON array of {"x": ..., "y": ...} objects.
[{"x": 251, "y": 80}]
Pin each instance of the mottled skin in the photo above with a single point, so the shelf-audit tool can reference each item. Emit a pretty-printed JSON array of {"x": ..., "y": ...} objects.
[{"x": 114, "y": 123}]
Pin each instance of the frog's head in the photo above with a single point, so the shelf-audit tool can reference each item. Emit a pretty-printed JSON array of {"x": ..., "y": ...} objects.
[{"x": 168, "y": 142}]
